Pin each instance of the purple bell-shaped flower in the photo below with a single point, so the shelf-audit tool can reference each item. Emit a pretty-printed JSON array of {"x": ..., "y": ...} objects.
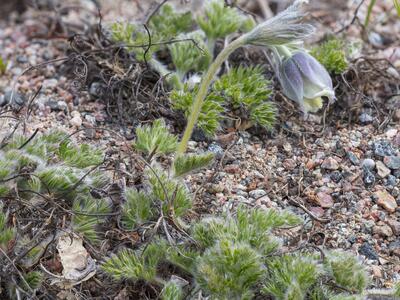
[{"x": 305, "y": 81}]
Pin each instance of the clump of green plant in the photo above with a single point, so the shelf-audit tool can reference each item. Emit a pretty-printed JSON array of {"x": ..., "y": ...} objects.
[
  {"x": 332, "y": 55},
  {"x": 234, "y": 256},
  {"x": 192, "y": 53},
  {"x": 219, "y": 21},
  {"x": 166, "y": 195},
  {"x": 237, "y": 256},
  {"x": 243, "y": 91},
  {"x": 43, "y": 171},
  {"x": 50, "y": 168},
  {"x": 211, "y": 111}
]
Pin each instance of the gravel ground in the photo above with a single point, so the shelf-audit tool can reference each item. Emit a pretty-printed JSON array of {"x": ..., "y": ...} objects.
[{"x": 344, "y": 179}]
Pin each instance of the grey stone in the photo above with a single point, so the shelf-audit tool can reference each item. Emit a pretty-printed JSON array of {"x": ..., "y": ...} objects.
[
  {"x": 353, "y": 158},
  {"x": 368, "y": 164},
  {"x": 369, "y": 252},
  {"x": 368, "y": 177},
  {"x": 96, "y": 89},
  {"x": 216, "y": 149},
  {"x": 336, "y": 176},
  {"x": 392, "y": 162},
  {"x": 57, "y": 105},
  {"x": 391, "y": 180},
  {"x": 365, "y": 118},
  {"x": 16, "y": 99},
  {"x": 383, "y": 148},
  {"x": 256, "y": 194}
]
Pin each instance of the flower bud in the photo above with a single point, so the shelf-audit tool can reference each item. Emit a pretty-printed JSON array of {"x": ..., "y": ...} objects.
[
  {"x": 284, "y": 28},
  {"x": 305, "y": 81}
]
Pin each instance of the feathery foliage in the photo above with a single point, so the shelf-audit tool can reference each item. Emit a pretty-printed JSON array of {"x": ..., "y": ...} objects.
[
  {"x": 290, "y": 277},
  {"x": 396, "y": 291},
  {"x": 6, "y": 233},
  {"x": 172, "y": 193},
  {"x": 34, "y": 279},
  {"x": 332, "y": 55},
  {"x": 211, "y": 111},
  {"x": 128, "y": 264},
  {"x": 251, "y": 226},
  {"x": 220, "y": 20},
  {"x": 244, "y": 90},
  {"x": 228, "y": 270},
  {"x": 185, "y": 164},
  {"x": 80, "y": 157},
  {"x": 171, "y": 291},
  {"x": 137, "y": 209},
  {"x": 190, "y": 55},
  {"x": 247, "y": 88},
  {"x": 155, "y": 140},
  {"x": 164, "y": 26},
  {"x": 88, "y": 214},
  {"x": 346, "y": 271}
]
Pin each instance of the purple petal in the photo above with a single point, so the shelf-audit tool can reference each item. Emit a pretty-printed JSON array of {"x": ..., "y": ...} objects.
[
  {"x": 312, "y": 70},
  {"x": 292, "y": 83}
]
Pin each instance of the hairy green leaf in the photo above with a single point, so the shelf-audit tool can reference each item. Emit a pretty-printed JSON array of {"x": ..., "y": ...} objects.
[
  {"x": 155, "y": 140},
  {"x": 185, "y": 164}
]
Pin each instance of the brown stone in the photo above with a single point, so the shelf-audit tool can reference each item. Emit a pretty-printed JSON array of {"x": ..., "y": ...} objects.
[
  {"x": 395, "y": 225},
  {"x": 382, "y": 170},
  {"x": 232, "y": 169},
  {"x": 383, "y": 230},
  {"x": 324, "y": 200},
  {"x": 330, "y": 164},
  {"x": 386, "y": 200}
]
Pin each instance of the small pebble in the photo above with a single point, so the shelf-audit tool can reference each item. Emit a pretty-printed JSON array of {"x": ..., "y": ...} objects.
[
  {"x": 382, "y": 170},
  {"x": 367, "y": 250},
  {"x": 330, "y": 164},
  {"x": 324, "y": 200},
  {"x": 216, "y": 149},
  {"x": 368, "y": 164},
  {"x": 383, "y": 148},
  {"x": 392, "y": 162},
  {"x": 353, "y": 158},
  {"x": 76, "y": 120},
  {"x": 387, "y": 201},
  {"x": 368, "y": 177},
  {"x": 365, "y": 118},
  {"x": 256, "y": 194}
]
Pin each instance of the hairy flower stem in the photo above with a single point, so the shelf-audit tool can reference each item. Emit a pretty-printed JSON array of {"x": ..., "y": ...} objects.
[{"x": 203, "y": 89}]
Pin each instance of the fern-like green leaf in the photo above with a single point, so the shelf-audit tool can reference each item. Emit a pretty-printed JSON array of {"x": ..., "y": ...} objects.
[
  {"x": 128, "y": 264},
  {"x": 220, "y": 20},
  {"x": 172, "y": 193},
  {"x": 171, "y": 291},
  {"x": 155, "y": 140},
  {"x": 191, "y": 55},
  {"x": 229, "y": 270},
  {"x": 291, "y": 277},
  {"x": 211, "y": 110},
  {"x": 137, "y": 209},
  {"x": 34, "y": 279},
  {"x": 185, "y": 164},
  {"x": 247, "y": 90},
  {"x": 88, "y": 214},
  {"x": 346, "y": 270},
  {"x": 6, "y": 234},
  {"x": 81, "y": 157}
]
